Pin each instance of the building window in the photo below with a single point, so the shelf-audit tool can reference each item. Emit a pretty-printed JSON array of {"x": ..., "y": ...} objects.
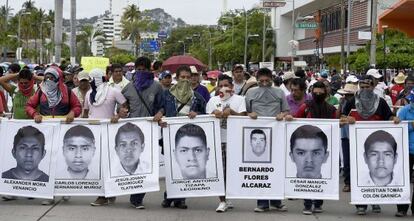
[{"x": 331, "y": 21}]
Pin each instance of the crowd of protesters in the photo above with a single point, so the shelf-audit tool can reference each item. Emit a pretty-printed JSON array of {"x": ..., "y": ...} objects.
[{"x": 146, "y": 90}]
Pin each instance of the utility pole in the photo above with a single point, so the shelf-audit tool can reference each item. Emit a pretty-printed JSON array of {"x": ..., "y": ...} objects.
[
  {"x": 372, "y": 59},
  {"x": 73, "y": 32},
  {"x": 264, "y": 35},
  {"x": 245, "y": 39},
  {"x": 348, "y": 34},
  {"x": 293, "y": 35},
  {"x": 58, "y": 30},
  {"x": 5, "y": 29},
  {"x": 342, "y": 34}
]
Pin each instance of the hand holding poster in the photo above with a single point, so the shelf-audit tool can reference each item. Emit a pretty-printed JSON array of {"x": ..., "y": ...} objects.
[
  {"x": 193, "y": 157},
  {"x": 255, "y": 156},
  {"x": 79, "y": 160},
  {"x": 131, "y": 161},
  {"x": 312, "y": 156},
  {"x": 28, "y": 158},
  {"x": 379, "y": 163}
]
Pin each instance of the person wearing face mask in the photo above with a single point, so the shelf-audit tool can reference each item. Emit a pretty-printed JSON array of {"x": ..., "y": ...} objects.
[
  {"x": 318, "y": 107},
  {"x": 408, "y": 86},
  {"x": 223, "y": 105},
  {"x": 407, "y": 113},
  {"x": 367, "y": 106},
  {"x": 54, "y": 99},
  {"x": 267, "y": 101},
  {"x": 181, "y": 100},
  {"x": 101, "y": 100}
]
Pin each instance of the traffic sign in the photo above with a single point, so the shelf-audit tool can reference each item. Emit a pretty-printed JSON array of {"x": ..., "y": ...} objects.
[
  {"x": 273, "y": 3},
  {"x": 307, "y": 25}
]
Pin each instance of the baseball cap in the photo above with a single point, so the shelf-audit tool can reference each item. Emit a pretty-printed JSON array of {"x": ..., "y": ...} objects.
[
  {"x": 351, "y": 79},
  {"x": 289, "y": 75},
  {"x": 164, "y": 74},
  {"x": 237, "y": 66},
  {"x": 83, "y": 75},
  {"x": 374, "y": 73}
]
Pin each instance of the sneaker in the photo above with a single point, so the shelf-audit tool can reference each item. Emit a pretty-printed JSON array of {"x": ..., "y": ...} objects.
[
  {"x": 48, "y": 202},
  {"x": 66, "y": 198},
  {"x": 139, "y": 206},
  {"x": 111, "y": 200},
  {"x": 180, "y": 205},
  {"x": 100, "y": 201},
  {"x": 222, "y": 207},
  {"x": 9, "y": 198},
  {"x": 229, "y": 204},
  {"x": 260, "y": 209},
  {"x": 376, "y": 209},
  {"x": 166, "y": 203},
  {"x": 346, "y": 188},
  {"x": 401, "y": 214},
  {"x": 280, "y": 208},
  {"x": 318, "y": 209},
  {"x": 307, "y": 211},
  {"x": 361, "y": 211}
]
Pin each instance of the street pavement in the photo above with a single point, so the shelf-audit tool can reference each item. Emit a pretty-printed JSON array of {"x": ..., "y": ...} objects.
[{"x": 200, "y": 209}]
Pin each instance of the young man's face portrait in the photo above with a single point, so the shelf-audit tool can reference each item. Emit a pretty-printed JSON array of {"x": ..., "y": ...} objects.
[
  {"x": 28, "y": 153},
  {"x": 309, "y": 155},
  {"x": 78, "y": 152},
  {"x": 380, "y": 159},
  {"x": 129, "y": 147},
  {"x": 258, "y": 143},
  {"x": 192, "y": 156}
]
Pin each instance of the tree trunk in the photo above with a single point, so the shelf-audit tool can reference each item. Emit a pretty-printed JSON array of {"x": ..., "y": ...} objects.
[
  {"x": 58, "y": 30},
  {"x": 73, "y": 32}
]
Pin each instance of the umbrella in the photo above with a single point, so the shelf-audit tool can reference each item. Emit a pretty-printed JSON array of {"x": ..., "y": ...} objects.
[{"x": 174, "y": 62}]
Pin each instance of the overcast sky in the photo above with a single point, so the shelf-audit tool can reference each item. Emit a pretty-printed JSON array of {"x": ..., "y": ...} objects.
[{"x": 191, "y": 11}]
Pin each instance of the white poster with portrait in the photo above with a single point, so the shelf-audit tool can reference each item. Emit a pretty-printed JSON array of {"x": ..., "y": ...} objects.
[
  {"x": 255, "y": 159},
  {"x": 379, "y": 163},
  {"x": 79, "y": 160},
  {"x": 162, "y": 155},
  {"x": 28, "y": 158},
  {"x": 312, "y": 159},
  {"x": 193, "y": 159},
  {"x": 131, "y": 159}
]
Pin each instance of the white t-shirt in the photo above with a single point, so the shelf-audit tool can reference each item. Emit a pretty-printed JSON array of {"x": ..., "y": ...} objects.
[
  {"x": 235, "y": 102},
  {"x": 107, "y": 108}
]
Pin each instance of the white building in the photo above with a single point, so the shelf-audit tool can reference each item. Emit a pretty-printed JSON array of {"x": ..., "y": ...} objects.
[{"x": 111, "y": 27}]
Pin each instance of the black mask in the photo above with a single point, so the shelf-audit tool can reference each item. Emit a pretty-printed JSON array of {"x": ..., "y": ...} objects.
[{"x": 319, "y": 98}]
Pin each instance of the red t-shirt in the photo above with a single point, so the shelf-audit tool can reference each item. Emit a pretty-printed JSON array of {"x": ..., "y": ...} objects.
[{"x": 395, "y": 91}]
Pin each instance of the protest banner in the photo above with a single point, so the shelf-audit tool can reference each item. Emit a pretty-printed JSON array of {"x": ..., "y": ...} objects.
[
  {"x": 193, "y": 159},
  {"x": 255, "y": 159},
  {"x": 79, "y": 160},
  {"x": 379, "y": 163},
  {"x": 28, "y": 158},
  {"x": 131, "y": 159},
  {"x": 89, "y": 63},
  {"x": 312, "y": 159}
]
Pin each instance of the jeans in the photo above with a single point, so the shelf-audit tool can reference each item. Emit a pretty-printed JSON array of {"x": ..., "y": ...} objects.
[
  {"x": 345, "y": 154},
  {"x": 264, "y": 204},
  {"x": 404, "y": 207},
  {"x": 136, "y": 199},
  {"x": 308, "y": 203},
  {"x": 175, "y": 200}
]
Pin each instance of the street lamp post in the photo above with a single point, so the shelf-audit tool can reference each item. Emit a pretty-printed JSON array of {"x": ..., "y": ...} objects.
[
  {"x": 19, "y": 37},
  {"x": 41, "y": 39},
  {"x": 232, "y": 27},
  {"x": 245, "y": 38},
  {"x": 384, "y": 28},
  {"x": 245, "y": 47}
]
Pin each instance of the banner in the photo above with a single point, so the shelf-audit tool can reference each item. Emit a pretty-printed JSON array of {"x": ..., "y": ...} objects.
[
  {"x": 79, "y": 160},
  {"x": 255, "y": 159},
  {"x": 379, "y": 163},
  {"x": 312, "y": 159},
  {"x": 89, "y": 63},
  {"x": 193, "y": 157},
  {"x": 131, "y": 161},
  {"x": 28, "y": 158}
]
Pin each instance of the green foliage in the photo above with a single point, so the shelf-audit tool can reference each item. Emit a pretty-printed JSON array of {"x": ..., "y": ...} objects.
[{"x": 122, "y": 58}]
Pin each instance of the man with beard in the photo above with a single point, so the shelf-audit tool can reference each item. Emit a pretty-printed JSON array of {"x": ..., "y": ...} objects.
[
  {"x": 318, "y": 107},
  {"x": 81, "y": 90},
  {"x": 267, "y": 101},
  {"x": 241, "y": 85},
  {"x": 298, "y": 95},
  {"x": 367, "y": 106}
]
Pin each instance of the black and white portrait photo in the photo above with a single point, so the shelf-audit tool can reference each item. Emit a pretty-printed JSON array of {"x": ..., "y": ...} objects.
[
  {"x": 380, "y": 156},
  {"x": 130, "y": 154},
  {"x": 192, "y": 153},
  {"x": 257, "y": 144},
  {"x": 80, "y": 153},
  {"x": 308, "y": 152},
  {"x": 28, "y": 151}
]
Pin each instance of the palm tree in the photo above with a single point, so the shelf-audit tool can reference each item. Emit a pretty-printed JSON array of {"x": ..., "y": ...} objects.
[
  {"x": 28, "y": 5},
  {"x": 87, "y": 36}
]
